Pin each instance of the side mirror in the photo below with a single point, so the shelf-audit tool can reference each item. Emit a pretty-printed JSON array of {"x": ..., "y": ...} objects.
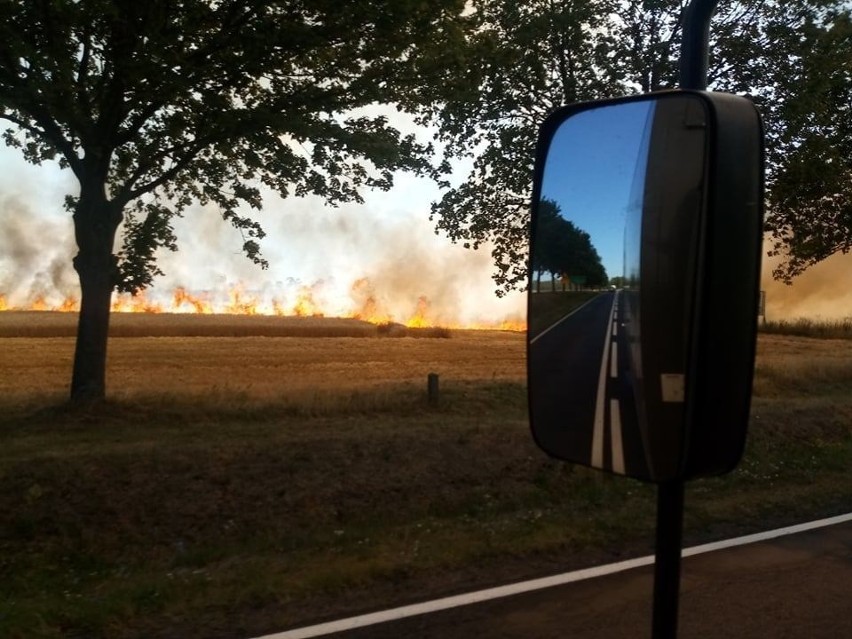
[{"x": 645, "y": 262}]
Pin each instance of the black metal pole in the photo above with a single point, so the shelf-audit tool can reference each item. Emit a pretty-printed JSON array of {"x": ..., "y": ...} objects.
[
  {"x": 695, "y": 44},
  {"x": 667, "y": 559},
  {"x": 693, "y": 75}
]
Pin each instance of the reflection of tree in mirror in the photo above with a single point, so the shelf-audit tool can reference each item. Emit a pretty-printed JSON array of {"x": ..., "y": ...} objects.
[{"x": 565, "y": 252}]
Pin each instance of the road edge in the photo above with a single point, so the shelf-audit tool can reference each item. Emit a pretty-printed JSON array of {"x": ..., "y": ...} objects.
[{"x": 445, "y": 603}]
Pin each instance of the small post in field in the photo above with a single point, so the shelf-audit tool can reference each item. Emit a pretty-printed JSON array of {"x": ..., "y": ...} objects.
[{"x": 432, "y": 388}]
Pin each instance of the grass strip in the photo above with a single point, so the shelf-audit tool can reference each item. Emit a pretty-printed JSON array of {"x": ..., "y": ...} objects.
[{"x": 146, "y": 519}]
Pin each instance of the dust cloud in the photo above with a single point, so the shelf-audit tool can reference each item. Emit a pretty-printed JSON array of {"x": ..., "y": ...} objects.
[{"x": 823, "y": 292}]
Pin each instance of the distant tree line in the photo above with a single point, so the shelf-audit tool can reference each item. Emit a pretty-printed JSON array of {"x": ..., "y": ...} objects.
[{"x": 564, "y": 251}]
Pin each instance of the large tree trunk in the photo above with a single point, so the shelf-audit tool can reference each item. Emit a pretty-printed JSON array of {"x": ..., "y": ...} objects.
[{"x": 95, "y": 223}]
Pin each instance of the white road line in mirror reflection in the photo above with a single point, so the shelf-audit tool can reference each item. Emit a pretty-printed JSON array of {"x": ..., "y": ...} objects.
[
  {"x": 613, "y": 360},
  {"x": 615, "y": 437},
  {"x": 598, "y": 433}
]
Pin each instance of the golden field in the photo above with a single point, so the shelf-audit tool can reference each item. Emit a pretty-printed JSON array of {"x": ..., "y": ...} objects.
[
  {"x": 268, "y": 358},
  {"x": 257, "y": 364}
]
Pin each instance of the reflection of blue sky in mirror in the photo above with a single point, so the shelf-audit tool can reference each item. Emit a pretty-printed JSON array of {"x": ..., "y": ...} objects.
[{"x": 590, "y": 172}]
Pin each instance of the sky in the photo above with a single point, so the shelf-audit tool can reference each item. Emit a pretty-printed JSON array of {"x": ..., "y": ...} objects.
[{"x": 590, "y": 171}]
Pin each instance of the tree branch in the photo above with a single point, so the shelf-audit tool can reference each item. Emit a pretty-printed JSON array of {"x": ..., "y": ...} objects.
[
  {"x": 126, "y": 194},
  {"x": 51, "y": 134}
]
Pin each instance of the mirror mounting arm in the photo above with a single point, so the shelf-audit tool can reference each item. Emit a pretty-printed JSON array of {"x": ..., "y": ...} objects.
[
  {"x": 695, "y": 44},
  {"x": 694, "y": 54}
]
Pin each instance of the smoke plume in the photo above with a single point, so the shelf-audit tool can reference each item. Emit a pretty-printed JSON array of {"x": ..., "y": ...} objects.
[
  {"x": 382, "y": 256},
  {"x": 823, "y": 292}
]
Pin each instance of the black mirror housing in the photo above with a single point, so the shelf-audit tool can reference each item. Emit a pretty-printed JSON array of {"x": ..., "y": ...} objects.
[{"x": 667, "y": 396}]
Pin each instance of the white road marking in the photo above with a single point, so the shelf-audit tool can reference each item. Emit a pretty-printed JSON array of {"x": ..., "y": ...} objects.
[
  {"x": 615, "y": 329},
  {"x": 598, "y": 432},
  {"x": 613, "y": 360},
  {"x": 615, "y": 437},
  {"x": 456, "y": 601}
]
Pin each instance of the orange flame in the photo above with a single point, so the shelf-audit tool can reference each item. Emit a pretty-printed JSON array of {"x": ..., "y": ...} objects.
[
  {"x": 367, "y": 305},
  {"x": 305, "y": 306},
  {"x": 39, "y": 304},
  {"x": 181, "y": 299},
  {"x": 138, "y": 303},
  {"x": 239, "y": 303},
  {"x": 69, "y": 305},
  {"x": 364, "y": 296},
  {"x": 418, "y": 320}
]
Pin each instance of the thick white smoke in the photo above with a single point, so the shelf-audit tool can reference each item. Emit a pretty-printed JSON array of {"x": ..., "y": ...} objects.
[{"x": 382, "y": 254}]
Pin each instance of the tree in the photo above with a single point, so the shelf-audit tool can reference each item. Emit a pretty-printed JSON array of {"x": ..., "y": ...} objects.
[
  {"x": 155, "y": 105},
  {"x": 792, "y": 58},
  {"x": 562, "y": 249},
  {"x": 522, "y": 60},
  {"x": 810, "y": 184}
]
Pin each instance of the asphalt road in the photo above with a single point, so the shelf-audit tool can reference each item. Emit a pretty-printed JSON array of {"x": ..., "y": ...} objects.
[
  {"x": 793, "y": 587},
  {"x": 582, "y": 408}
]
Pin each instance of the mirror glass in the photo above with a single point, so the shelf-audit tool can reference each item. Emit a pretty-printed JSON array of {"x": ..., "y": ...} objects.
[{"x": 612, "y": 259}]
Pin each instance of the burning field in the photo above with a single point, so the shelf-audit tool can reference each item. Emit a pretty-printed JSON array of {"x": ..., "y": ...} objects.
[{"x": 287, "y": 309}]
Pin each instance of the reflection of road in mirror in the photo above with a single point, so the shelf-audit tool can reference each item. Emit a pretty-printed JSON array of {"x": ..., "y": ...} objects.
[{"x": 583, "y": 408}]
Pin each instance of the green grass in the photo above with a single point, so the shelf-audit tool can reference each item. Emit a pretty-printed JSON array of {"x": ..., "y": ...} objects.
[{"x": 222, "y": 516}]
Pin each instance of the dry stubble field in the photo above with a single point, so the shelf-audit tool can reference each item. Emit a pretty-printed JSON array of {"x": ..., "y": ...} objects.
[
  {"x": 239, "y": 485},
  {"x": 305, "y": 359}
]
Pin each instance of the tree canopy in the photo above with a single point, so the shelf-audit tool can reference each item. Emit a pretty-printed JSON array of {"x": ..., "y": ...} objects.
[
  {"x": 521, "y": 61},
  {"x": 810, "y": 188},
  {"x": 562, "y": 249},
  {"x": 156, "y": 105},
  {"x": 525, "y": 59}
]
